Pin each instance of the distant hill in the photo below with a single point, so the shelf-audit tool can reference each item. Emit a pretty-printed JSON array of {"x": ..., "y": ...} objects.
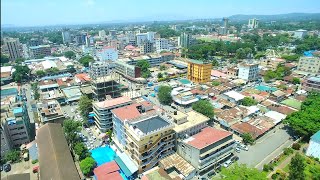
[{"x": 277, "y": 17}]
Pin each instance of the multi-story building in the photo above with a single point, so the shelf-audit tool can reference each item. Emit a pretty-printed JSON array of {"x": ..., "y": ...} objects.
[
  {"x": 149, "y": 137},
  {"x": 162, "y": 44},
  {"x": 107, "y": 53},
  {"x": 146, "y": 47},
  {"x": 41, "y": 50},
  {"x": 35, "y": 42},
  {"x": 128, "y": 70},
  {"x": 141, "y": 38},
  {"x": 15, "y": 123},
  {"x": 153, "y": 59},
  {"x": 66, "y": 36},
  {"x": 248, "y": 71},
  {"x": 271, "y": 63},
  {"x": 50, "y": 112},
  {"x": 312, "y": 84},
  {"x": 309, "y": 64},
  {"x": 207, "y": 150},
  {"x": 253, "y": 23},
  {"x": 102, "y": 34},
  {"x": 184, "y": 40},
  {"x": 199, "y": 71},
  {"x": 12, "y": 48},
  {"x": 102, "y": 111},
  {"x": 103, "y": 80},
  {"x": 233, "y": 72},
  {"x": 300, "y": 33}
]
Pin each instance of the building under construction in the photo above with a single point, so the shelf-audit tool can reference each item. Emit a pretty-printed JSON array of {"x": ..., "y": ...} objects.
[{"x": 104, "y": 81}]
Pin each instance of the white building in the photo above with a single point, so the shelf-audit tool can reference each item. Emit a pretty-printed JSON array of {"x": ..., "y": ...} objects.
[
  {"x": 248, "y": 72},
  {"x": 162, "y": 44},
  {"x": 102, "y": 34},
  {"x": 300, "y": 33},
  {"x": 142, "y": 37},
  {"x": 66, "y": 37},
  {"x": 253, "y": 23},
  {"x": 107, "y": 53},
  {"x": 314, "y": 146}
]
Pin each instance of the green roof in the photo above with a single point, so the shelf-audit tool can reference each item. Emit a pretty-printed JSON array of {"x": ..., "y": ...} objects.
[
  {"x": 316, "y": 136},
  {"x": 199, "y": 61},
  {"x": 292, "y": 103}
]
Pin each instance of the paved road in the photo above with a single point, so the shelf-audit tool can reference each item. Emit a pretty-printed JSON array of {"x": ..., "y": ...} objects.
[{"x": 266, "y": 148}]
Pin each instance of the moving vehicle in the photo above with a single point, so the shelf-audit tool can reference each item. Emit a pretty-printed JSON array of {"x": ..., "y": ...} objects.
[{"x": 7, "y": 167}]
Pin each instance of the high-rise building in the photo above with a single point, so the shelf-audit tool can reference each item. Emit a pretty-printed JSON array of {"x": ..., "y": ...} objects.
[
  {"x": 312, "y": 84},
  {"x": 66, "y": 36},
  {"x": 199, "y": 71},
  {"x": 184, "y": 40},
  {"x": 309, "y": 64},
  {"x": 112, "y": 33},
  {"x": 146, "y": 47},
  {"x": 253, "y": 23},
  {"x": 300, "y": 33},
  {"x": 35, "y": 42},
  {"x": 248, "y": 71},
  {"x": 41, "y": 50},
  {"x": 12, "y": 46},
  {"x": 107, "y": 53},
  {"x": 102, "y": 34},
  {"x": 162, "y": 44}
]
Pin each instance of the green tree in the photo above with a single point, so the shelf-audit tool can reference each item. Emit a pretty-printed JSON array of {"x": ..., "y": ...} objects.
[
  {"x": 247, "y": 138},
  {"x": 19, "y": 60},
  {"x": 296, "y": 168},
  {"x": 87, "y": 165},
  {"x": 215, "y": 63},
  {"x": 215, "y": 83},
  {"x": 40, "y": 73},
  {"x": 162, "y": 67},
  {"x": 52, "y": 70},
  {"x": 13, "y": 156},
  {"x": 294, "y": 57},
  {"x": 4, "y": 59},
  {"x": 160, "y": 75},
  {"x": 21, "y": 73},
  {"x": 70, "y": 54},
  {"x": 81, "y": 150},
  {"x": 144, "y": 65},
  {"x": 306, "y": 121},
  {"x": 296, "y": 80},
  {"x": 85, "y": 60},
  {"x": 242, "y": 172},
  {"x": 35, "y": 89},
  {"x": 70, "y": 128},
  {"x": 85, "y": 106},
  {"x": 164, "y": 95},
  {"x": 248, "y": 101},
  {"x": 241, "y": 53},
  {"x": 109, "y": 134},
  {"x": 204, "y": 107}
]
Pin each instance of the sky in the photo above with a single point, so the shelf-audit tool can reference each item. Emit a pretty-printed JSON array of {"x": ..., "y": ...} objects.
[{"x": 54, "y": 12}]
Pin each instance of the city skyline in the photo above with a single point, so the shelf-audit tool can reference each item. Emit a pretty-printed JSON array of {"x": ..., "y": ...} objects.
[{"x": 42, "y": 13}]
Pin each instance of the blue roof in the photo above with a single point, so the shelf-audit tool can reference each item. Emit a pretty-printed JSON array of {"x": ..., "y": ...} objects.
[
  {"x": 308, "y": 53},
  {"x": 33, "y": 151},
  {"x": 316, "y": 136},
  {"x": 317, "y": 79},
  {"x": 17, "y": 110},
  {"x": 128, "y": 167},
  {"x": 56, "y": 76}
]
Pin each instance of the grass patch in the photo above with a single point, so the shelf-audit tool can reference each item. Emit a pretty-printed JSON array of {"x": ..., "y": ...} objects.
[{"x": 292, "y": 103}]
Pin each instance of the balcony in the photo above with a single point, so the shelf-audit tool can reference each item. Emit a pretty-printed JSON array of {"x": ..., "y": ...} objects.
[
  {"x": 215, "y": 156},
  {"x": 163, "y": 149}
]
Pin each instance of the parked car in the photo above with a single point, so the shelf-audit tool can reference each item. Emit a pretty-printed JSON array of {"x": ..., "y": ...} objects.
[
  {"x": 244, "y": 147},
  {"x": 1, "y": 168},
  {"x": 227, "y": 163},
  {"x": 7, "y": 167},
  {"x": 237, "y": 149}
]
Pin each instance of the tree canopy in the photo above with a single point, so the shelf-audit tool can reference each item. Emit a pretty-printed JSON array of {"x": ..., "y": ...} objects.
[
  {"x": 85, "y": 106},
  {"x": 164, "y": 95},
  {"x": 85, "y": 60},
  {"x": 13, "y": 156},
  {"x": 70, "y": 129},
  {"x": 296, "y": 168},
  {"x": 40, "y": 73},
  {"x": 22, "y": 72},
  {"x": 306, "y": 121},
  {"x": 248, "y": 101},
  {"x": 4, "y": 59},
  {"x": 87, "y": 165},
  {"x": 242, "y": 172},
  {"x": 144, "y": 65},
  {"x": 204, "y": 107},
  {"x": 81, "y": 150},
  {"x": 296, "y": 80},
  {"x": 70, "y": 54},
  {"x": 279, "y": 73},
  {"x": 247, "y": 138}
]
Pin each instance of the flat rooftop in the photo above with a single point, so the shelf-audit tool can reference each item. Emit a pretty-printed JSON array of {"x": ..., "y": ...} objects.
[
  {"x": 179, "y": 163},
  {"x": 151, "y": 124},
  {"x": 112, "y": 102},
  {"x": 193, "y": 119}
]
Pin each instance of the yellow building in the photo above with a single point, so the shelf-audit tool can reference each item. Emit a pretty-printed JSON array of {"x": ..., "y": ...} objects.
[{"x": 199, "y": 71}]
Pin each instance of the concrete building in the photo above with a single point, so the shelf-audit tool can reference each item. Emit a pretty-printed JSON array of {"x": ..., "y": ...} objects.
[
  {"x": 35, "y": 42},
  {"x": 184, "y": 40},
  {"x": 41, "y": 50},
  {"x": 199, "y": 71},
  {"x": 162, "y": 44},
  {"x": 309, "y": 64},
  {"x": 128, "y": 70},
  {"x": 102, "y": 111},
  {"x": 102, "y": 34},
  {"x": 146, "y": 47},
  {"x": 314, "y": 146},
  {"x": 107, "y": 53},
  {"x": 12, "y": 48},
  {"x": 248, "y": 72},
  {"x": 233, "y": 72},
  {"x": 153, "y": 59},
  {"x": 140, "y": 38},
  {"x": 312, "y": 84},
  {"x": 253, "y": 23},
  {"x": 50, "y": 111},
  {"x": 66, "y": 36},
  {"x": 300, "y": 33},
  {"x": 271, "y": 63},
  {"x": 207, "y": 150},
  {"x": 223, "y": 30}
]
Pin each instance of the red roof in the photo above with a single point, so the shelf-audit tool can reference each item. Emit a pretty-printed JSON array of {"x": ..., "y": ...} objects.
[
  {"x": 129, "y": 47},
  {"x": 112, "y": 176},
  {"x": 217, "y": 73},
  {"x": 208, "y": 136},
  {"x": 83, "y": 77},
  {"x": 105, "y": 169},
  {"x": 131, "y": 111},
  {"x": 113, "y": 102}
]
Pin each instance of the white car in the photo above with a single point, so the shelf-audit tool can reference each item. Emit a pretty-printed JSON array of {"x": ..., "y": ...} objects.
[{"x": 227, "y": 163}]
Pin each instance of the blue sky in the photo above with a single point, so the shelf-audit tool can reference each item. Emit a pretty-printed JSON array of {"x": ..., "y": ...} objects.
[{"x": 51, "y": 12}]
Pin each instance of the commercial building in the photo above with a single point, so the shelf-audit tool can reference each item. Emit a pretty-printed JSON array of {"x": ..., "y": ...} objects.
[
  {"x": 199, "y": 71},
  {"x": 223, "y": 30},
  {"x": 41, "y": 50},
  {"x": 50, "y": 111},
  {"x": 66, "y": 36},
  {"x": 309, "y": 64},
  {"x": 207, "y": 150},
  {"x": 314, "y": 146},
  {"x": 300, "y": 33},
  {"x": 162, "y": 44},
  {"x": 153, "y": 59},
  {"x": 128, "y": 70},
  {"x": 253, "y": 23},
  {"x": 184, "y": 40},
  {"x": 312, "y": 84},
  {"x": 107, "y": 53},
  {"x": 102, "y": 34},
  {"x": 35, "y": 42},
  {"x": 248, "y": 71},
  {"x": 146, "y": 47},
  {"x": 12, "y": 48},
  {"x": 102, "y": 111}
]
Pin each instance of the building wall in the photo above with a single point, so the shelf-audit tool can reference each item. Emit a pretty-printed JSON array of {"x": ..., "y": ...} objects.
[
  {"x": 37, "y": 51},
  {"x": 311, "y": 85},
  {"x": 146, "y": 47},
  {"x": 309, "y": 64},
  {"x": 108, "y": 54},
  {"x": 162, "y": 45},
  {"x": 199, "y": 73},
  {"x": 313, "y": 149},
  {"x": 13, "y": 49},
  {"x": 248, "y": 72},
  {"x": 5, "y": 142}
]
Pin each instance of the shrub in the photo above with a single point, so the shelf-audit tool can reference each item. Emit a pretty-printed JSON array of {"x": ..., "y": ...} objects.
[
  {"x": 274, "y": 176},
  {"x": 287, "y": 151},
  {"x": 34, "y": 161},
  {"x": 296, "y": 146},
  {"x": 268, "y": 167}
]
